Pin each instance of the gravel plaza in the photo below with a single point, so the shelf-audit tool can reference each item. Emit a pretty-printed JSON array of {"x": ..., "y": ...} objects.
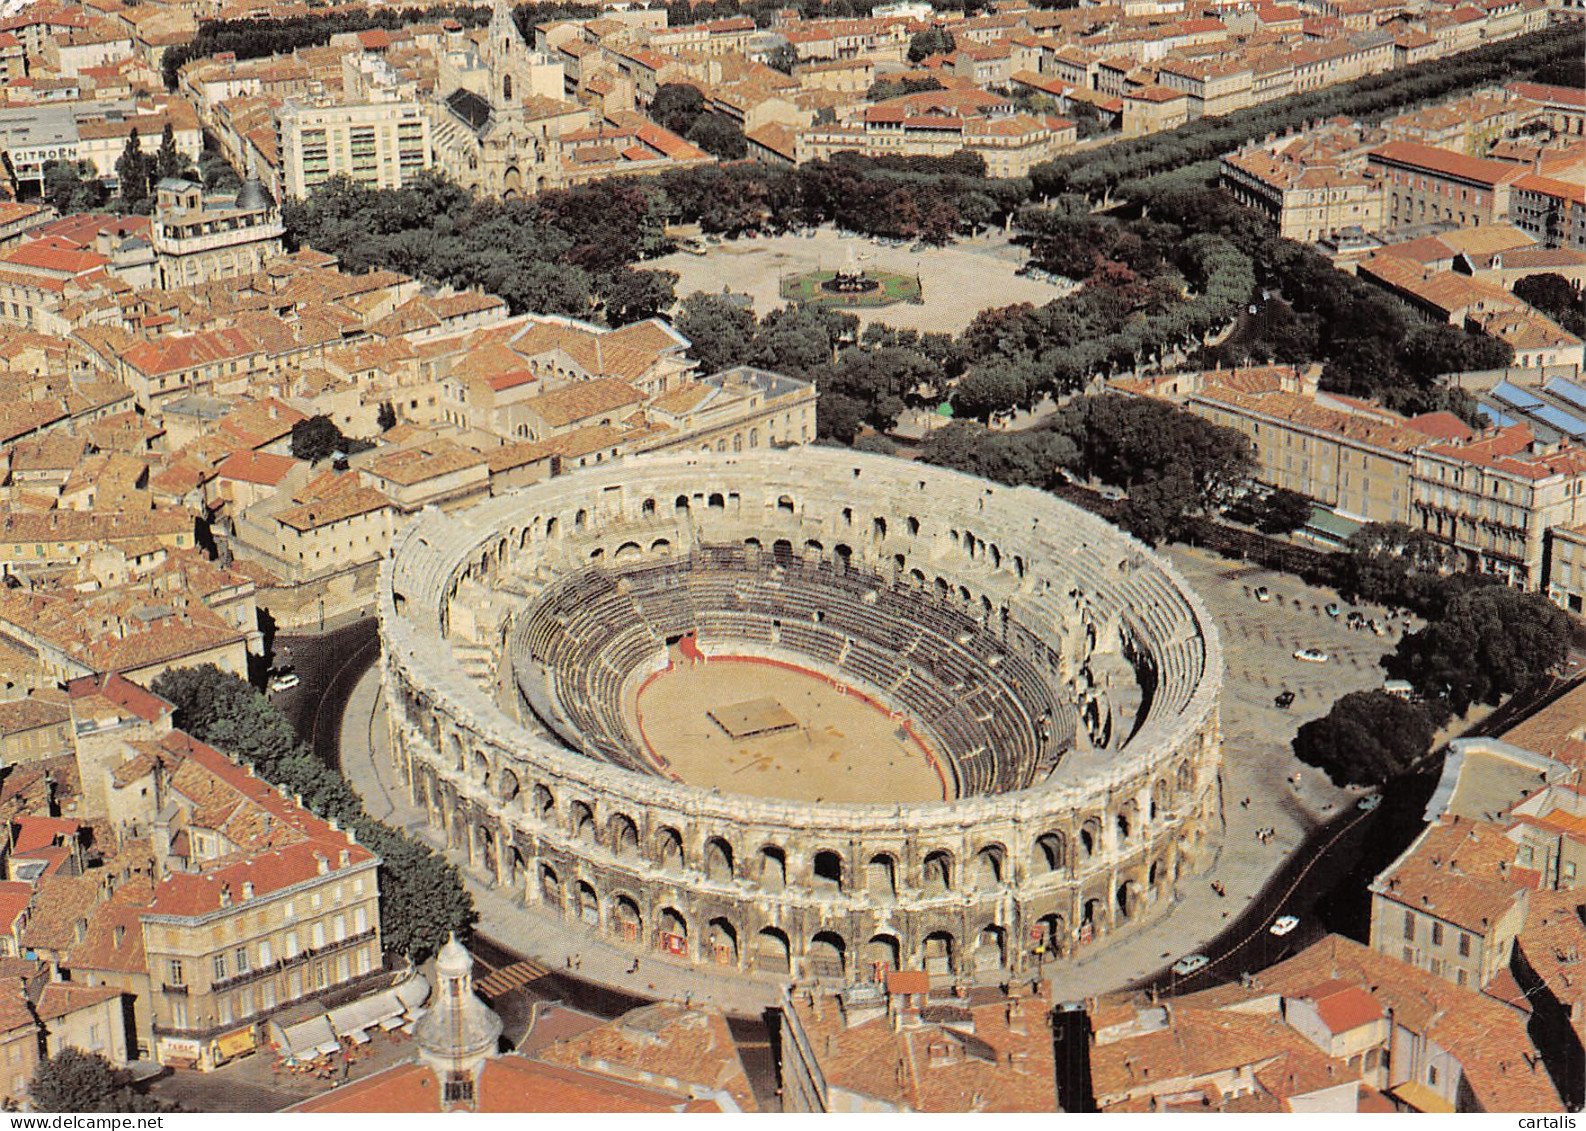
[{"x": 958, "y": 281}]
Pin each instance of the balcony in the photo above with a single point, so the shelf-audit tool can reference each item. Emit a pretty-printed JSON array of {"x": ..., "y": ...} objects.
[
  {"x": 177, "y": 989},
  {"x": 281, "y": 964}
]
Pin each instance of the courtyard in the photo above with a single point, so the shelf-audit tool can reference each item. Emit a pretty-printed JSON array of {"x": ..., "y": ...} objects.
[{"x": 956, "y": 282}]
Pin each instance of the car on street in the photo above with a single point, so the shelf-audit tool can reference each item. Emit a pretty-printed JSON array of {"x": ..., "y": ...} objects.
[
  {"x": 1190, "y": 963},
  {"x": 283, "y": 682},
  {"x": 1284, "y": 924},
  {"x": 1312, "y": 655},
  {"x": 1367, "y": 804},
  {"x": 1332, "y": 609},
  {"x": 1263, "y": 594},
  {"x": 1284, "y": 699}
]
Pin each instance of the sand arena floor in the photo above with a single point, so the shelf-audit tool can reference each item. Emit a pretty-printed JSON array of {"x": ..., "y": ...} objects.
[{"x": 845, "y": 747}]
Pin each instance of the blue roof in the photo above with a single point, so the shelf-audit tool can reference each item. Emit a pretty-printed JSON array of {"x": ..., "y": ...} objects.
[
  {"x": 1499, "y": 420},
  {"x": 1557, "y": 418},
  {"x": 1515, "y": 396},
  {"x": 1566, "y": 391}
]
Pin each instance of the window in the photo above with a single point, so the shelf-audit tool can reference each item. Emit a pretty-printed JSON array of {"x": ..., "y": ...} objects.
[
  {"x": 265, "y": 958},
  {"x": 1409, "y": 925},
  {"x": 178, "y": 1013},
  {"x": 173, "y": 972},
  {"x": 1464, "y": 945},
  {"x": 289, "y": 912},
  {"x": 1431, "y": 1074},
  {"x": 291, "y": 944},
  {"x": 319, "y": 935},
  {"x": 241, "y": 955},
  {"x": 220, "y": 967},
  {"x": 1437, "y": 934},
  {"x": 360, "y": 920}
]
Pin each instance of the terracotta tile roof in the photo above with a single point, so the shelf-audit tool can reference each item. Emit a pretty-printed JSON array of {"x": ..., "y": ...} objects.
[
  {"x": 691, "y": 1046},
  {"x": 15, "y": 898},
  {"x": 29, "y": 714},
  {"x": 1343, "y": 1005},
  {"x": 262, "y": 468},
  {"x": 1446, "y": 162},
  {"x": 313, "y": 515},
  {"x": 60, "y": 999},
  {"x": 582, "y": 400},
  {"x": 1553, "y": 942},
  {"x": 1462, "y": 872}
]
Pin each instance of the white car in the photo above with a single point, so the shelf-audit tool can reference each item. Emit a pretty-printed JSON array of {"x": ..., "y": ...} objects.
[
  {"x": 284, "y": 682},
  {"x": 1284, "y": 924},
  {"x": 1312, "y": 655},
  {"x": 1189, "y": 964}
]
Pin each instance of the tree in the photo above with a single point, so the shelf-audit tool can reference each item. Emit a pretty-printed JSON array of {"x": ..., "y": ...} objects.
[
  {"x": 76, "y": 1081},
  {"x": 1488, "y": 643},
  {"x": 317, "y": 438},
  {"x": 676, "y": 105},
  {"x": 170, "y": 161},
  {"x": 1389, "y": 563},
  {"x": 1367, "y": 738},
  {"x": 73, "y": 186},
  {"x": 1556, "y": 297},
  {"x": 783, "y": 58},
  {"x": 632, "y": 296},
  {"x": 988, "y": 390},
  {"x": 719, "y": 136},
  {"x": 932, "y": 41},
  {"x": 719, "y": 331},
  {"x": 387, "y": 417},
  {"x": 132, "y": 174},
  {"x": 1282, "y": 512},
  {"x": 1027, "y": 458}
]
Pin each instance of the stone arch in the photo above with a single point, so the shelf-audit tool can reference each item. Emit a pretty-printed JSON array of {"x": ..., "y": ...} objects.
[
  {"x": 1127, "y": 819},
  {"x": 881, "y": 876},
  {"x": 786, "y": 505},
  {"x": 782, "y": 548},
  {"x": 939, "y": 952},
  {"x": 914, "y": 527},
  {"x": 1090, "y": 836},
  {"x": 878, "y": 528},
  {"x": 721, "y": 940},
  {"x": 827, "y": 955},
  {"x": 587, "y": 909},
  {"x": 1185, "y": 778},
  {"x": 669, "y": 849},
  {"x": 772, "y": 952},
  {"x": 544, "y": 803},
  {"x": 773, "y": 867},
  {"x": 622, "y": 835},
  {"x": 627, "y": 551},
  {"x": 627, "y": 921},
  {"x": 936, "y": 874},
  {"x": 1127, "y": 898},
  {"x": 680, "y": 505},
  {"x": 1092, "y": 917},
  {"x": 991, "y": 948},
  {"x": 581, "y": 820},
  {"x": 844, "y": 553},
  {"x": 813, "y": 547},
  {"x": 717, "y": 501},
  {"x": 1160, "y": 798},
  {"x": 553, "y": 527},
  {"x": 826, "y": 870},
  {"x": 647, "y": 508},
  {"x": 550, "y": 885},
  {"x": 454, "y": 750},
  {"x": 880, "y": 955},
  {"x": 1053, "y": 936},
  {"x": 673, "y": 927},
  {"x": 990, "y": 866},
  {"x": 507, "y": 785},
  {"x": 661, "y": 546},
  {"x": 1050, "y": 853},
  {"x": 580, "y": 519},
  {"x": 718, "y": 860}
]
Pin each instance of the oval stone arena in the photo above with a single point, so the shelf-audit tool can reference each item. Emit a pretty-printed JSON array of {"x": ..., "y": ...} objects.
[{"x": 811, "y": 712}]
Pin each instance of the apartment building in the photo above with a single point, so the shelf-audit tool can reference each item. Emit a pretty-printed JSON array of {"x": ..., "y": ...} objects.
[
  {"x": 255, "y": 905},
  {"x": 1566, "y": 568},
  {"x": 1424, "y": 185},
  {"x": 1495, "y": 498},
  {"x": 1351, "y": 457},
  {"x": 1308, "y": 202},
  {"x": 377, "y": 144},
  {"x": 1551, "y": 209},
  {"x": 1453, "y": 902},
  {"x": 199, "y": 238}
]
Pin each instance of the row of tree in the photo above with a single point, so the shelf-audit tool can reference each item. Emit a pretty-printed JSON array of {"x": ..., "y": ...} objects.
[
  {"x": 422, "y": 897},
  {"x": 1098, "y": 174}
]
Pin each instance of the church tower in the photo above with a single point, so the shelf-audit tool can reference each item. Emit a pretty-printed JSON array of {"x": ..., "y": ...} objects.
[
  {"x": 510, "y": 59},
  {"x": 460, "y": 1032}
]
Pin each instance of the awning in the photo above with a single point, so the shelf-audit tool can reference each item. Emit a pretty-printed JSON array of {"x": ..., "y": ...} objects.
[
  {"x": 414, "y": 992},
  {"x": 358, "y": 1037},
  {"x": 391, "y": 1023},
  {"x": 303, "y": 1040},
  {"x": 235, "y": 1044},
  {"x": 328, "y": 1048},
  {"x": 356, "y": 1016}
]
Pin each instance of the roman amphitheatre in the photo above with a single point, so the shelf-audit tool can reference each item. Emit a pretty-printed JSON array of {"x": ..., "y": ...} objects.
[{"x": 810, "y": 713}]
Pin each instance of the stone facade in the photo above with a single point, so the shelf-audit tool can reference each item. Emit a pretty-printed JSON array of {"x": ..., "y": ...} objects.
[{"x": 1038, "y": 860}]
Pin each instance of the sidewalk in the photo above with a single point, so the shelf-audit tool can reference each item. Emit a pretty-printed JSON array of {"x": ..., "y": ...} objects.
[{"x": 547, "y": 940}]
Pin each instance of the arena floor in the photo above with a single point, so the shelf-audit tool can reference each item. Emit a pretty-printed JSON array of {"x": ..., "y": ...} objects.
[{"x": 841, "y": 748}]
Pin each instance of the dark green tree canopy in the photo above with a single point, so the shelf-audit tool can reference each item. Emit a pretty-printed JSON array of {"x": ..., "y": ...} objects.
[
  {"x": 76, "y": 1081},
  {"x": 1367, "y": 738}
]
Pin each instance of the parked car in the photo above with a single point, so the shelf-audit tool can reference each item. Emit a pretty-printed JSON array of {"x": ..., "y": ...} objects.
[
  {"x": 1190, "y": 963},
  {"x": 1332, "y": 609},
  {"x": 1263, "y": 594},
  {"x": 284, "y": 682},
  {"x": 1367, "y": 804},
  {"x": 1284, "y": 699},
  {"x": 1284, "y": 924},
  {"x": 1312, "y": 655}
]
